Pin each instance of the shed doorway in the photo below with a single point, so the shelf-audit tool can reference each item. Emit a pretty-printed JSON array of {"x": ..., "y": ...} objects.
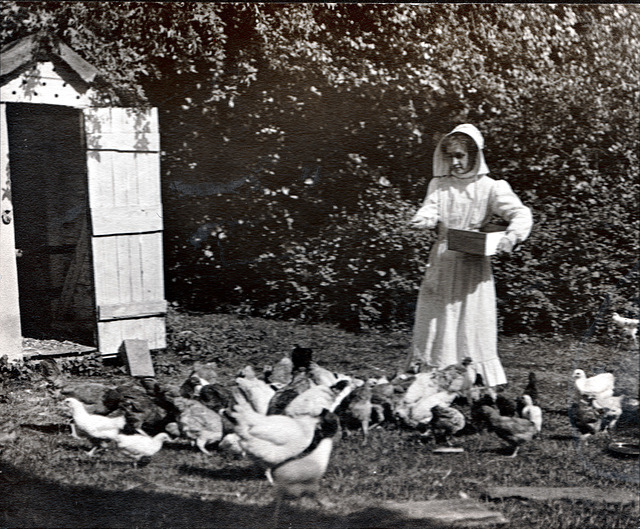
[{"x": 48, "y": 169}]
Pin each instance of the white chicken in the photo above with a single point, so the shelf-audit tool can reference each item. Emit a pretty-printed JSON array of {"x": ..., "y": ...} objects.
[
  {"x": 629, "y": 326},
  {"x": 610, "y": 409},
  {"x": 140, "y": 445},
  {"x": 96, "y": 428},
  {"x": 420, "y": 413},
  {"x": 423, "y": 385},
  {"x": 532, "y": 412},
  {"x": 256, "y": 391},
  {"x": 301, "y": 475},
  {"x": 596, "y": 386},
  {"x": 311, "y": 402},
  {"x": 270, "y": 439}
]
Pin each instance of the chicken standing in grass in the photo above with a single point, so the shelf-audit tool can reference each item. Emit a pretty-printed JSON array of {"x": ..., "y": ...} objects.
[
  {"x": 256, "y": 391},
  {"x": 530, "y": 389},
  {"x": 281, "y": 374},
  {"x": 270, "y": 440},
  {"x": 585, "y": 418},
  {"x": 300, "y": 383},
  {"x": 629, "y": 326},
  {"x": 97, "y": 428},
  {"x": 301, "y": 475},
  {"x": 140, "y": 445},
  {"x": 610, "y": 409},
  {"x": 532, "y": 412},
  {"x": 514, "y": 430},
  {"x": 198, "y": 423},
  {"x": 358, "y": 407},
  {"x": 601, "y": 385},
  {"x": 446, "y": 423}
]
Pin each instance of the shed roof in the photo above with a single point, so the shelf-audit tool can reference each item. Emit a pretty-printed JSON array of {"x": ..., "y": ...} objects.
[{"x": 22, "y": 53}]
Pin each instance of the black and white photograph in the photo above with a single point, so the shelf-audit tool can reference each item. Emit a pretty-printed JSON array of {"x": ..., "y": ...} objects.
[{"x": 319, "y": 265}]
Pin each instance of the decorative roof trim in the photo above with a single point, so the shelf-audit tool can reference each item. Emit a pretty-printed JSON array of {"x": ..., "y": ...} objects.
[{"x": 36, "y": 47}]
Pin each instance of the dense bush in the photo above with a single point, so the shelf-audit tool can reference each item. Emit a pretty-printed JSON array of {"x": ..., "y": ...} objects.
[{"x": 279, "y": 121}]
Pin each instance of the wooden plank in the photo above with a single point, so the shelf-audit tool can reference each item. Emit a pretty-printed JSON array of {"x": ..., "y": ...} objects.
[
  {"x": 17, "y": 54},
  {"x": 111, "y": 334},
  {"x": 10, "y": 327},
  {"x": 428, "y": 514},
  {"x": 134, "y": 309},
  {"x": 564, "y": 493},
  {"x": 122, "y": 129},
  {"x": 86, "y": 71},
  {"x": 153, "y": 272},
  {"x": 136, "y": 354},
  {"x": 126, "y": 220}
]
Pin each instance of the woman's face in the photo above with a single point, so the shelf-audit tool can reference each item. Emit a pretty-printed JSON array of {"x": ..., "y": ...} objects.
[{"x": 457, "y": 153}]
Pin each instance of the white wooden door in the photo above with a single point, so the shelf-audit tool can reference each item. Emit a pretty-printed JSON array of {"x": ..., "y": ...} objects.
[
  {"x": 123, "y": 164},
  {"x": 10, "y": 332}
]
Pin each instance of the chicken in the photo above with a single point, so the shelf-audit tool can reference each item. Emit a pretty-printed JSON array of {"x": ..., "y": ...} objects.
[
  {"x": 284, "y": 396},
  {"x": 358, "y": 407},
  {"x": 311, "y": 402},
  {"x": 629, "y": 326},
  {"x": 140, "y": 445},
  {"x": 270, "y": 439},
  {"x": 514, "y": 430},
  {"x": 532, "y": 412},
  {"x": 457, "y": 377},
  {"x": 216, "y": 397},
  {"x": 140, "y": 410},
  {"x": 301, "y": 475},
  {"x": 231, "y": 443},
  {"x": 610, "y": 409},
  {"x": 190, "y": 388},
  {"x": 530, "y": 389},
  {"x": 423, "y": 385},
  {"x": 585, "y": 418},
  {"x": 281, "y": 374},
  {"x": 322, "y": 376},
  {"x": 596, "y": 386},
  {"x": 97, "y": 428},
  {"x": 301, "y": 358},
  {"x": 419, "y": 414},
  {"x": 446, "y": 422},
  {"x": 207, "y": 372},
  {"x": 505, "y": 405},
  {"x": 384, "y": 398},
  {"x": 198, "y": 423},
  {"x": 257, "y": 391}
]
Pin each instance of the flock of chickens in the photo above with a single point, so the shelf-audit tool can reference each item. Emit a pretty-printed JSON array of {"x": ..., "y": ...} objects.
[{"x": 286, "y": 418}]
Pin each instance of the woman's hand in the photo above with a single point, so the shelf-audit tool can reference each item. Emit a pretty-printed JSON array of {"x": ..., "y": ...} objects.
[
  {"x": 419, "y": 221},
  {"x": 505, "y": 245}
]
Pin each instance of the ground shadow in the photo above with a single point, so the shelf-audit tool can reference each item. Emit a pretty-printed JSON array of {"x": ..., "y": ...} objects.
[{"x": 29, "y": 501}]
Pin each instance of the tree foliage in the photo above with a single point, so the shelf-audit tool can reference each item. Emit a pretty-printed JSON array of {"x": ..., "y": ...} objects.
[{"x": 286, "y": 128}]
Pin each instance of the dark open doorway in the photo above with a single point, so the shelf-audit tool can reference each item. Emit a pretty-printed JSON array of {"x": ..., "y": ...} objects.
[{"x": 48, "y": 170}]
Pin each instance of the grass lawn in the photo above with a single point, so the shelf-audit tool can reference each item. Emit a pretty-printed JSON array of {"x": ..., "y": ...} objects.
[{"x": 47, "y": 479}]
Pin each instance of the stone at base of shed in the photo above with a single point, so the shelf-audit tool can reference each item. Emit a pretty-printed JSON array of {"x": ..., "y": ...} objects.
[{"x": 428, "y": 514}]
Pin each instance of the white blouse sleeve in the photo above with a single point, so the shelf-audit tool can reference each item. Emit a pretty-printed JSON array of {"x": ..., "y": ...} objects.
[
  {"x": 506, "y": 204},
  {"x": 429, "y": 208}
]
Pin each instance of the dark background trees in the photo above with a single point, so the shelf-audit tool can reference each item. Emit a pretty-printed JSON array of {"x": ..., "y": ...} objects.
[{"x": 297, "y": 140}]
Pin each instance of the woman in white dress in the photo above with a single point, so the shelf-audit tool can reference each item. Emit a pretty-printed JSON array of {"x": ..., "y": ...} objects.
[{"x": 456, "y": 309}]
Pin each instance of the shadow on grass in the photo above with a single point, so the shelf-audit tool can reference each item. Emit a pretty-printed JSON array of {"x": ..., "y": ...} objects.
[
  {"x": 250, "y": 472},
  {"x": 29, "y": 501}
]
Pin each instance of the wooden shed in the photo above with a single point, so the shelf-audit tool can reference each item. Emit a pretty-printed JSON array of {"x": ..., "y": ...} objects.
[{"x": 81, "y": 232}]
